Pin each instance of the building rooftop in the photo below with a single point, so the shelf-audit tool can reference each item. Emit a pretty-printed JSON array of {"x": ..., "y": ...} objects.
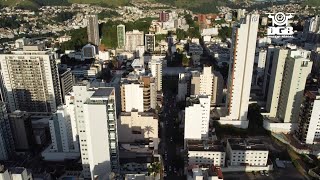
[
  {"x": 198, "y": 145},
  {"x": 246, "y": 144},
  {"x": 103, "y": 92}
]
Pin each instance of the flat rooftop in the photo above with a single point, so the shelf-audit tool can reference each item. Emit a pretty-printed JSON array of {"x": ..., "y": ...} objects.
[
  {"x": 103, "y": 92},
  {"x": 198, "y": 145},
  {"x": 246, "y": 144}
]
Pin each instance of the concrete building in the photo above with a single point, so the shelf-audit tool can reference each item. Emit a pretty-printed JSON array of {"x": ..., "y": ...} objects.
[
  {"x": 261, "y": 61},
  {"x": 6, "y": 140},
  {"x": 88, "y": 51},
  {"x": 205, "y": 153},
  {"x": 94, "y": 109},
  {"x": 241, "y": 13},
  {"x": 66, "y": 82},
  {"x": 183, "y": 86},
  {"x": 138, "y": 93},
  {"x": 133, "y": 39},
  {"x": 217, "y": 88},
  {"x": 93, "y": 29},
  {"x": 250, "y": 152},
  {"x": 195, "y": 83},
  {"x": 21, "y": 128},
  {"x": 206, "y": 77},
  {"x": 155, "y": 65},
  {"x": 137, "y": 126},
  {"x": 267, "y": 71},
  {"x": 296, "y": 71},
  {"x": 241, "y": 69},
  {"x": 121, "y": 36},
  {"x": 150, "y": 42},
  {"x": 64, "y": 141},
  {"x": 16, "y": 173},
  {"x": 31, "y": 79},
  {"x": 275, "y": 80},
  {"x": 309, "y": 120},
  {"x": 164, "y": 16},
  {"x": 197, "y": 116}
]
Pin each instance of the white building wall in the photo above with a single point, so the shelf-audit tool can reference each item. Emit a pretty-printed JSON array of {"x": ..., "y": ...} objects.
[
  {"x": 95, "y": 117},
  {"x": 206, "y": 78},
  {"x": 133, "y": 39},
  {"x": 155, "y": 66},
  {"x": 241, "y": 68},
  {"x": 275, "y": 82},
  {"x": 314, "y": 124},
  {"x": 296, "y": 72},
  {"x": 215, "y": 158},
  {"x": 197, "y": 119},
  {"x": 133, "y": 97}
]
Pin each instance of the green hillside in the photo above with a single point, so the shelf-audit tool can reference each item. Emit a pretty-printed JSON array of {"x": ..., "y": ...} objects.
[{"x": 37, "y": 3}]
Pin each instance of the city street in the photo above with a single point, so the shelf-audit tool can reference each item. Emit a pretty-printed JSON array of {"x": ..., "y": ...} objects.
[{"x": 173, "y": 164}]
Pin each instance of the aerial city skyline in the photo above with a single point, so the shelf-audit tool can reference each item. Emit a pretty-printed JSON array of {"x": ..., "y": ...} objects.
[{"x": 153, "y": 90}]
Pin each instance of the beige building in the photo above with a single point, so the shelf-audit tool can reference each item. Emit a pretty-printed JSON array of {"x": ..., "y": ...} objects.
[
  {"x": 137, "y": 126},
  {"x": 139, "y": 93},
  {"x": 207, "y": 83}
]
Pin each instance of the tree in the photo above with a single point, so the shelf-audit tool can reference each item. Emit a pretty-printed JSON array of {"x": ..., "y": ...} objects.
[
  {"x": 185, "y": 61},
  {"x": 154, "y": 169},
  {"x": 225, "y": 32},
  {"x": 149, "y": 130}
]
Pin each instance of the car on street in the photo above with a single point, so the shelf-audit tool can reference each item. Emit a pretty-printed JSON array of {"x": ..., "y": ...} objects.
[{"x": 261, "y": 173}]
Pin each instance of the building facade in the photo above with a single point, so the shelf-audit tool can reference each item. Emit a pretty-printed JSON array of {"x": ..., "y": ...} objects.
[
  {"x": 94, "y": 109},
  {"x": 250, "y": 152},
  {"x": 121, "y": 36},
  {"x": 309, "y": 119},
  {"x": 134, "y": 39},
  {"x": 241, "y": 68},
  {"x": 197, "y": 116},
  {"x": 93, "y": 29},
  {"x": 150, "y": 42},
  {"x": 31, "y": 79},
  {"x": 155, "y": 65}
]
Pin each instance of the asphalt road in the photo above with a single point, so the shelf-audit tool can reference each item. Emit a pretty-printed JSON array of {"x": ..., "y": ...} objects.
[{"x": 173, "y": 168}]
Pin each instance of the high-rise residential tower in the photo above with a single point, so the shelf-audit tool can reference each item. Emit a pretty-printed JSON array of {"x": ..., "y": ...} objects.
[
  {"x": 296, "y": 71},
  {"x": 241, "y": 68},
  {"x": 93, "y": 29},
  {"x": 31, "y": 79},
  {"x": 121, "y": 36},
  {"x": 155, "y": 65},
  {"x": 309, "y": 118},
  {"x": 134, "y": 39},
  {"x": 94, "y": 109},
  {"x": 150, "y": 42}
]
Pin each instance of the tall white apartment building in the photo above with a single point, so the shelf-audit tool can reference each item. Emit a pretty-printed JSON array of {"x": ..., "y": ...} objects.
[
  {"x": 134, "y": 39},
  {"x": 155, "y": 65},
  {"x": 197, "y": 116},
  {"x": 309, "y": 119},
  {"x": 93, "y": 29},
  {"x": 250, "y": 152},
  {"x": 296, "y": 71},
  {"x": 241, "y": 68},
  {"x": 94, "y": 109},
  {"x": 275, "y": 80},
  {"x": 31, "y": 79},
  {"x": 6, "y": 139}
]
